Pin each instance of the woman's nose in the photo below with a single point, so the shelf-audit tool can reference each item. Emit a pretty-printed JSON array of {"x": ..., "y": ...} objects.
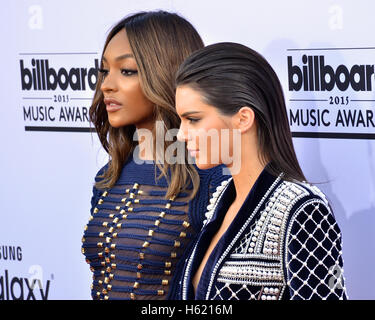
[{"x": 108, "y": 83}]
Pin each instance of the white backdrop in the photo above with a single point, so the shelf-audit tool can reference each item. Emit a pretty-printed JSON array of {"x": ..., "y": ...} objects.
[{"x": 49, "y": 158}]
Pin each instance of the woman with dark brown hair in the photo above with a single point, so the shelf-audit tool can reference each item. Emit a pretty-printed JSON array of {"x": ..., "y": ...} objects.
[
  {"x": 144, "y": 214},
  {"x": 268, "y": 234}
]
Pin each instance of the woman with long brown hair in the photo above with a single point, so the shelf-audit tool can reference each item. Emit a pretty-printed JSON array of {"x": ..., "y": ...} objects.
[
  {"x": 268, "y": 234},
  {"x": 144, "y": 214}
]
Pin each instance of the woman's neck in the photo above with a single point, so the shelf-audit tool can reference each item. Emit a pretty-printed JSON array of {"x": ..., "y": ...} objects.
[{"x": 250, "y": 167}]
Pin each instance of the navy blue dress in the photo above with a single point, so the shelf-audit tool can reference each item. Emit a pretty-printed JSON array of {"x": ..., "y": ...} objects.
[
  {"x": 136, "y": 240},
  {"x": 284, "y": 243}
]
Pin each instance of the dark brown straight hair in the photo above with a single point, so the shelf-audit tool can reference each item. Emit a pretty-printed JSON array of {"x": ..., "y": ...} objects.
[
  {"x": 230, "y": 76},
  {"x": 160, "y": 42}
]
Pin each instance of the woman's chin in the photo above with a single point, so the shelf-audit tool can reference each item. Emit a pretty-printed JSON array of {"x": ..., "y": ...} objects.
[
  {"x": 117, "y": 123},
  {"x": 204, "y": 165}
]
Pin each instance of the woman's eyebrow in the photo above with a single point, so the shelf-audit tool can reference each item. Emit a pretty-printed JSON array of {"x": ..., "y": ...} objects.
[
  {"x": 188, "y": 113},
  {"x": 124, "y": 56}
]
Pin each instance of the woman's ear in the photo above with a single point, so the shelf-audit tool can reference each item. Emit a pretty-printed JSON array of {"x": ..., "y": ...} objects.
[{"x": 244, "y": 119}]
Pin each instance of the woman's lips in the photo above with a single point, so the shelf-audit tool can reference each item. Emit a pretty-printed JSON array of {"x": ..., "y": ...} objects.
[
  {"x": 112, "y": 104},
  {"x": 113, "y": 107}
]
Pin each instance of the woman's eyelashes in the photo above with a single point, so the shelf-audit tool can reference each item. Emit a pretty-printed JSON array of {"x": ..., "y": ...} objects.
[
  {"x": 129, "y": 72},
  {"x": 192, "y": 120},
  {"x": 103, "y": 71},
  {"x": 124, "y": 72}
]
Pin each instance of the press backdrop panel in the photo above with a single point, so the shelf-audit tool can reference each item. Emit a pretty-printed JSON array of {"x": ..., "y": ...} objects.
[{"x": 323, "y": 52}]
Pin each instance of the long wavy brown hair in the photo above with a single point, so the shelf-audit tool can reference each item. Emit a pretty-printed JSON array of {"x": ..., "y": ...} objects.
[{"x": 160, "y": 42}]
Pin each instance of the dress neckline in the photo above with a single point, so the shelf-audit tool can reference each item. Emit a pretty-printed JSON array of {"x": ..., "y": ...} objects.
[{"x": 261, "y": 185}]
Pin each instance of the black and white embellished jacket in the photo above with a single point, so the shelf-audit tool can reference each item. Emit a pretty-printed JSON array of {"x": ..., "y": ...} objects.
[{"x": 284, "y": 243}]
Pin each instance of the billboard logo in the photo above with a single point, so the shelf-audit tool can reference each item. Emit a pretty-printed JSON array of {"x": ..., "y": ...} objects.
[
  {"x": 57, "y": 89},
  {"x": 40, "y": 76},
  {"x": 330, "y": 98},
  {"x": 316, "y": 75}
]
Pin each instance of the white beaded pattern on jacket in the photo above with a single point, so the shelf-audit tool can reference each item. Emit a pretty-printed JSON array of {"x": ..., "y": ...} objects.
[{"x": 214, "y": 200}]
